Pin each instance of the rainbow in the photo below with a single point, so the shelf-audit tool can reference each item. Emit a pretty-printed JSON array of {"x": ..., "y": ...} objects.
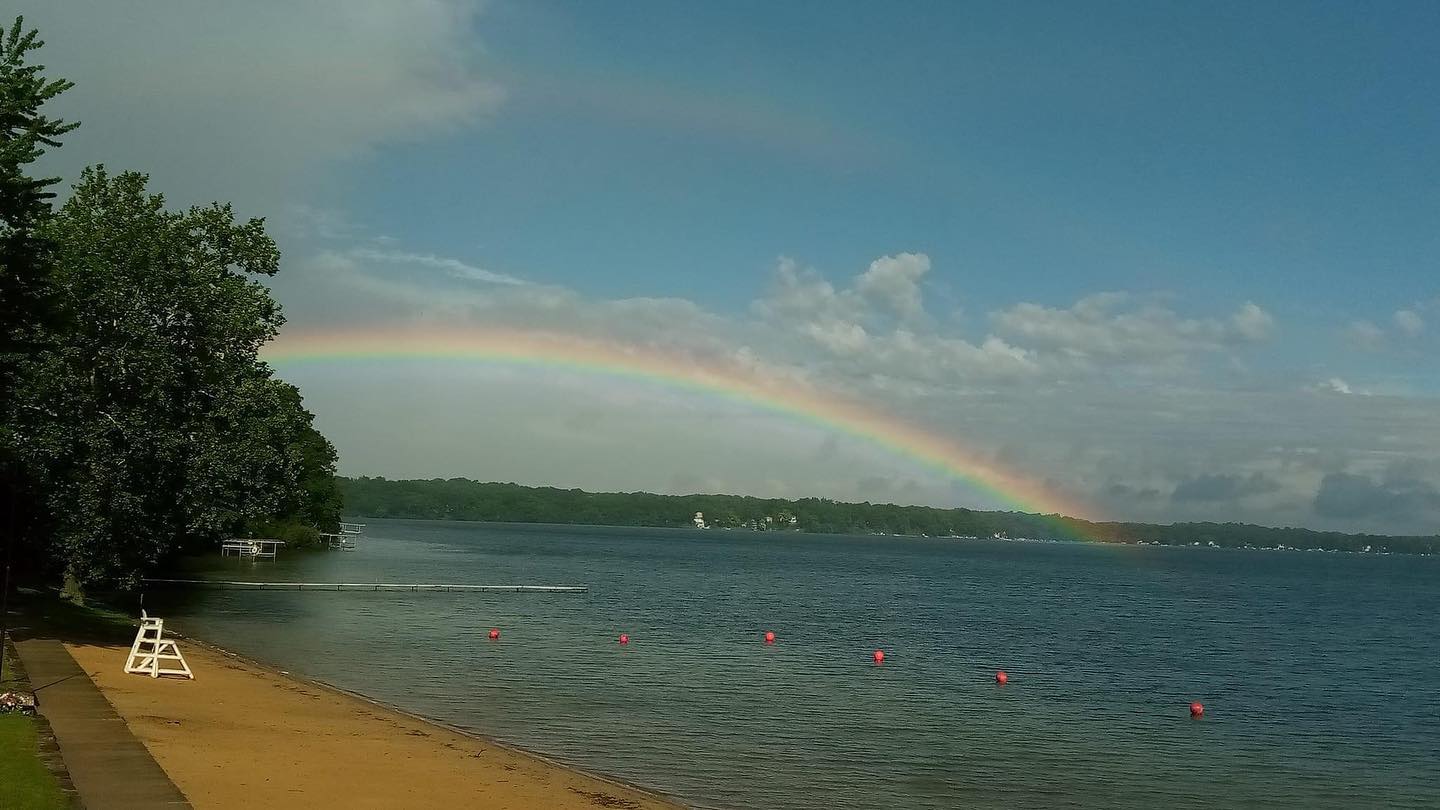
[{"x": 747, "y": 384}]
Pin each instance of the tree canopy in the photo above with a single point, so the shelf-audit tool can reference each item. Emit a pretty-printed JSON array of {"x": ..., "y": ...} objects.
[
  {"x": 139, "y": 420},
  {"x": 462, "y": 499}
]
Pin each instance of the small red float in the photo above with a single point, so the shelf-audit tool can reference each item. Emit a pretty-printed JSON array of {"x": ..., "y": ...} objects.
[
  {"x": 624, "y": 638},
  {"x": 879, "y": 657},
  {"x": 769, "y": 636},
  {"x": 1197, "y": 709},
  {"x": 494, "y": 634},
  {"x": 1001, "y": 678}
]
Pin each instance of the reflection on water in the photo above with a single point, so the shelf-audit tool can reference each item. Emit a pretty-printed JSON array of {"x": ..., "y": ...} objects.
[{"x": 1317, "y": 671}]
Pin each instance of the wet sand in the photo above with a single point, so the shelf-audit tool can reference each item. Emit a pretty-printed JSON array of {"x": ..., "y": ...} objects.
[{"x": 244, "y": 736}]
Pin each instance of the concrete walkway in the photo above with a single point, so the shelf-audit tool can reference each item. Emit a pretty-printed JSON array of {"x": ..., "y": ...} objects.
[{"x": 110, "y": 768}]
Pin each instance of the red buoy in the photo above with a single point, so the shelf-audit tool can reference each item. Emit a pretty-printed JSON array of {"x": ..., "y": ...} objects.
[
  {"x": 624, "y": 638},
  {"x": 494, "y": 634},
  {"x": 769, "y": 636},
  {"x": 1197, "y": 709},
  {"x": 1001, "y": 678},
  {"x": 879, "y": 657}
]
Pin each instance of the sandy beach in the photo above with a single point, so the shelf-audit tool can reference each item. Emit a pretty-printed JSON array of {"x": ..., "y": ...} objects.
[{"x": 244, "y": 736}]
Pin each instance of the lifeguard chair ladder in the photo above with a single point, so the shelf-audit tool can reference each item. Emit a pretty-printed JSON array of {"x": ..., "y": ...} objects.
[{"x": 152, "y": 653}]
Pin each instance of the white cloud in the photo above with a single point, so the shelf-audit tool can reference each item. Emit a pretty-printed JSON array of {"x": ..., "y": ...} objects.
[
  {"x": 801, "y": 292},
  {"x": 451, "y": 267},
  {"x": 1365, "y": 335},
  {"x": 1119, "y": 327},
  {"x": 1253, "y": 323},
  {"x": 839, "y": 337},
  {"x": 875, "y": 328},
  {"x": 1020, "y": 398},
  {"x": 259, "y": 101},
  {"x": 1409, "y": 322},
  {"x": 895, "y": 282}
]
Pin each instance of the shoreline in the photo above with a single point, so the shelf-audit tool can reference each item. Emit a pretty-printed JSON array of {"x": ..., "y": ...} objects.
[
  {"x": 1365, "y": 552},
  {"x": 441, "y": 724},
  {"x": 375, "y": 735}
]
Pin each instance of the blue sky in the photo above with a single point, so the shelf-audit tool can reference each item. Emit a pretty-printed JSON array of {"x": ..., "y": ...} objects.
[
  {"x": 1051, "y": 150},
  {"x": 1181, "y": 259}
]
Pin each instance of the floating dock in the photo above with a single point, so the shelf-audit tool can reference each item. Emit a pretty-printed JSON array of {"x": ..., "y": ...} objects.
[{"x": 400, "y": 587}]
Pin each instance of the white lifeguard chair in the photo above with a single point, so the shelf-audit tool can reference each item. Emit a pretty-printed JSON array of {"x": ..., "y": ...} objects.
[{"x": 154, "y": 655}]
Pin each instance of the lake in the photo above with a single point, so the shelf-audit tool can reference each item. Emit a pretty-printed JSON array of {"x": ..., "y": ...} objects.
[{"x": 1320, "y": 673}]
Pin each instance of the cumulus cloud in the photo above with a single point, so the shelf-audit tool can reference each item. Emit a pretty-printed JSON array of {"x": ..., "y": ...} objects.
[
  {"x": 806, "y": 301},
  {"x": 274, "y": 95},
  {"x": 1154, "y": 448},
  {"x": 1116, "y": 326},
  {"x": 895, "y": 282},
  {"x": 873, "y": 328},
  {"x": 1409, "y": 322}
]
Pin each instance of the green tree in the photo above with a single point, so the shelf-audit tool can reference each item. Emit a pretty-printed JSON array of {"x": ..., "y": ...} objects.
[
  {"x": 154, "y": 424},
  {"x": 24, "y": 200},
  {"x": 25, "y": 310}
]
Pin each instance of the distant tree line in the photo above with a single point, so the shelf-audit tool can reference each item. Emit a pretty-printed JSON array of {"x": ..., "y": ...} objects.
[
  {"x": 463, "y": 499},
  {"x": 136, "y": 420}
]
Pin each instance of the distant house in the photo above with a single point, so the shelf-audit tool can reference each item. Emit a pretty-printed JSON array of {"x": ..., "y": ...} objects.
[{"x": 700, "y": 520}]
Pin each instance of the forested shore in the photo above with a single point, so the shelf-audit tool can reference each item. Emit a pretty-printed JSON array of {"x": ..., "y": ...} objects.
[{"x": 463, "y": 499}]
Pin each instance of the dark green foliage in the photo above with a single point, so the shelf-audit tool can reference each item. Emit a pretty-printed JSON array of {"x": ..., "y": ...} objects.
[
  {"x": 25, "y": 309},
  {"x": 154, "y": 424},
  {"x": 295, "y": 533},
  {"x": 24, "y": 201},
  {"x": 462, "y": 499},
  {"x": 137, "y": 419}
]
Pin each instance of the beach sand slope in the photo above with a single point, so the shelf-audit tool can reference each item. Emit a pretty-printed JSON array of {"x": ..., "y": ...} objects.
[{"x": 243, "y": 736}]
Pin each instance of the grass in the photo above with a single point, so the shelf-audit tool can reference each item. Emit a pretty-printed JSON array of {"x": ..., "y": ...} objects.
[
  {"x": 25, "y": 780},
  {"x": 25, "y": 784}
]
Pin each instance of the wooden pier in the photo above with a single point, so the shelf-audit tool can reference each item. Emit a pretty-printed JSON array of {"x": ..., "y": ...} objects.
[
  {"x": 398, "y": 587},
  {"x": 344, "y": 539},
  {"x": 339, "y": 540},
  {"x": 255, "y": 548}
]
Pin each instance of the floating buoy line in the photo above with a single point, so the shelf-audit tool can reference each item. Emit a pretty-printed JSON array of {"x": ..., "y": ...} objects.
[{"x": 1197, "y": 709}]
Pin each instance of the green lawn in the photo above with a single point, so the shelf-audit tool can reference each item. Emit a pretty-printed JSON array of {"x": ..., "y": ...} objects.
[{"x": 24, "y": 782}]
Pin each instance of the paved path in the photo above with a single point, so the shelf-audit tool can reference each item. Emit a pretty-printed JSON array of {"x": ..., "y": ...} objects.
[{"x": 110, "y": 768}]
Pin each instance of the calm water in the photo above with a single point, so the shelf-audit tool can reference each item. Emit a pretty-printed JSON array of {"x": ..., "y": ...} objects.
[{"x": 1320, "y": 673}]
